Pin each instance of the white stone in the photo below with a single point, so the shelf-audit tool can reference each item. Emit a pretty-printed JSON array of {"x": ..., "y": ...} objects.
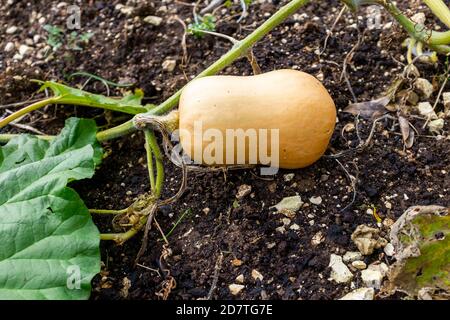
[
  {"x": 318, "y": 238},
  {"x": 436, "y": 126},
  {"x": 153, "y": 20},
  {"x": 294, "y": 227},
  {"x": 339, "y": 271},
  {"x": 240, "y": 279},
  {"x": 281, "y": 229},
  {"x": 256, "y": 275},
  {"x": 235, "y": 288},
  {"x": 11, "y": 30},
  {"x": 243, "y": 191},
  {"x": 315, "y": 200},
  {"x": 288, "y": 177},
  {"x": 290, "y": 203},
  {"x": 426, "y": 109},
  {"x": 360, "y": 265},
  {"x": 351, "y": 256},
  {"x": 419, "y": 18},
  {"x": 360, "y": 294},
  {"x": 389, "y": 250},
  {"x": 169, "y": 65},
  {"x": 424, "y": 87},
  {"x": 24, "y": 50},
  {"x": 374, "y": 274},
  {"x": 126, "y": 10},
  {"x": 446, "y": 98},
  {"x": 9, "y": 47},
  {"x": 367, "y": 239}
]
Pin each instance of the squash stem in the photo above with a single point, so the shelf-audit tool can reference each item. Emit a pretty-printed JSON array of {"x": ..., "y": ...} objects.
[
  {"x": 106, "y": 212},
  {"x": 20, "y": 113},
  {"x": 149, "y": 152},
  {"x": 154, "y": 147},
  {"x": 5, "y": 138}
]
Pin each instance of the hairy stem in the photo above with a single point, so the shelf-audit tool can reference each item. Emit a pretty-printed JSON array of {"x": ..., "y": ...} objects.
[
  {"x": 154, "y": 147},
  {"x": 101, "y": 211},
  {"x": 148, "y": 149},
  {"x": 4, "y": 138},
  {"x": 122, "y": 237}
]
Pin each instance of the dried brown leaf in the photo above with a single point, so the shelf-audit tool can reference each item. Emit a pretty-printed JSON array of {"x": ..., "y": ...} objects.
[
  {"x": 369, "y": 109},
  {"x": 407, "y": 132}
]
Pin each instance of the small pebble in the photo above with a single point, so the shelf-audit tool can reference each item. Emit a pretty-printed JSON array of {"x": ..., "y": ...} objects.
[
  {"x": 315, "y": 200},
  {"x": 256, "y": 275},
  {"x": 169, "y": 65},
  {"x": 360, "y": 265},
  {"x": 235, "y": 288},
  {"x": 11, "y": 30},
  {"x": 9, "y": 47}
]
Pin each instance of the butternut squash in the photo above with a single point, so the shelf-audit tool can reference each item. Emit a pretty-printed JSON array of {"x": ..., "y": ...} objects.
[{"x": 291, "y": 102}]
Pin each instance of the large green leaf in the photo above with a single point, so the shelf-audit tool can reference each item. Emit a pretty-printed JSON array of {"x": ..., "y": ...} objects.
[
  {"x": 130, "y": 103},
  {"x": 49, "y": 243}
]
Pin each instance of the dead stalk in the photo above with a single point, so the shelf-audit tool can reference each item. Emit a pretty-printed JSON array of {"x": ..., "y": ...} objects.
[{"x": 217, "y": 269}]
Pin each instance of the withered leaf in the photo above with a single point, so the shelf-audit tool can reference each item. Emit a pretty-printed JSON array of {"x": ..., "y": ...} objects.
[
  {"x": 369, "y": 109},
  {"x": 407, "y": 132}
]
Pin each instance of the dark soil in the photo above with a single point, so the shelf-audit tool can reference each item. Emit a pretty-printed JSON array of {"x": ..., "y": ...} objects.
[{"x": 128, "y": 50}]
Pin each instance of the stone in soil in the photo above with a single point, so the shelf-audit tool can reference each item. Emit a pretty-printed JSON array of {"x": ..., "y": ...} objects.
[
  {"x": 424, "y": 88},
  {"x": 289, "y": 203},
  {"x": 235, "y": 289},
  {"x": 243, "y": 191},
  {"x": 360, "y": 294},
  {"x": 367, "y": 239},
  {"x": 339, "y": 271},
  {"x": 351, "y": 256},
  {"x": 373, "y": 276},
  {"x": 360, "y": 265}
]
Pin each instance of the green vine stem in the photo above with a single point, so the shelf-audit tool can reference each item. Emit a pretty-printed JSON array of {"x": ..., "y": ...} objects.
[
  {"x": 123, "y": 237},
  {"x": 133, "y": 110},
  {"x": 156, "y": 184},
  {"x": 107, "y": 212},
  {"x": 28, "y": 109},
  {"x": 154, "y": 147},
  {"x": 148, "y": 149},
  {"x": 5, "y": 138}
]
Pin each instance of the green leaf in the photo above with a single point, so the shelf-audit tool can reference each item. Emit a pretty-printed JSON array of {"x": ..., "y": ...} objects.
[
  {"x": 53, "y": 30},
  {"x": 205, "y": 23},
  {"x": 130, "y": 104},
  {"x": 85, "y": 37},
  {"x": 50, "y": 245}
]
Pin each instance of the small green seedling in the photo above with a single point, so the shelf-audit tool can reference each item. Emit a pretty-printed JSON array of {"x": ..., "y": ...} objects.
[
  {"x": 205, "y": 23},
  {"x": 57, "y": 38}
]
